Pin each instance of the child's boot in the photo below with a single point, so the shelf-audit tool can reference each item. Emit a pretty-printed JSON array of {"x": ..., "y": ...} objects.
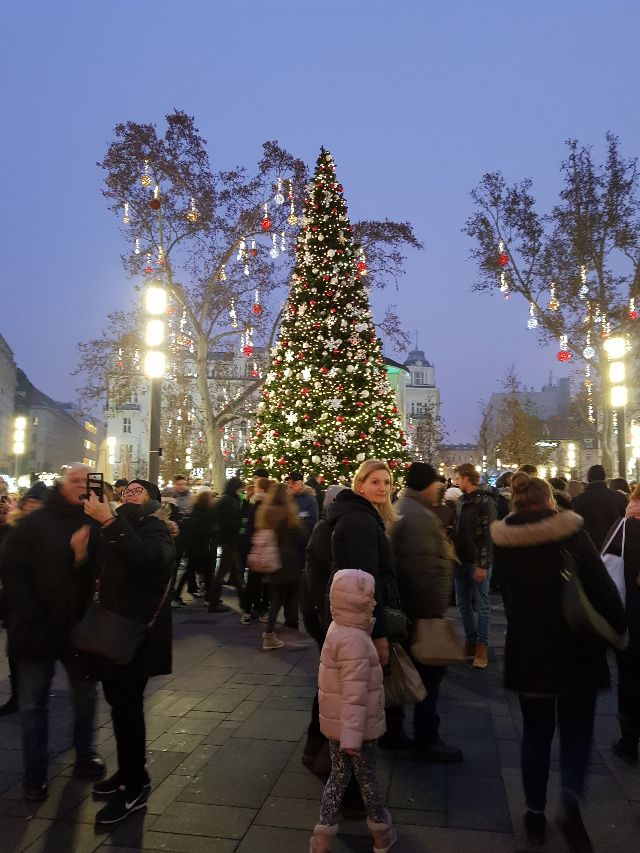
[
  {"x": 321, "y": 839},
  {"x": 384, "y": 835}
]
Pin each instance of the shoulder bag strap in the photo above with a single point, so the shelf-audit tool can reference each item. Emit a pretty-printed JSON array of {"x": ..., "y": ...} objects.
[
  {"x": 613, "y": 536},
  {"x": 162, "y": 601}
]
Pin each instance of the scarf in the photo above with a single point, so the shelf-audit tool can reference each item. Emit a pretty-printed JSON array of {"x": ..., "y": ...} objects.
[
  {"x": 633, "y": 509},
  {"x": 134, "y": 512}
]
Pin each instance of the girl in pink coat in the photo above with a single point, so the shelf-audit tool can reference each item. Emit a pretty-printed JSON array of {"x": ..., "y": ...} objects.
[{"x": 351, "y": 698}]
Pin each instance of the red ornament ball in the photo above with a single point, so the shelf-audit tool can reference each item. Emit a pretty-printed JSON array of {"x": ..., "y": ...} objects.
[
  {"x": 362, "y": 266},
  {"x": 339, "y": 419},
  {"x": 266, "y": 224},
  {"x": 322, "y": 369},
  {"x": 253, "y": 252},
  {"x": 254, "y": 372},
  {"x": 148, "y": 269},
  {"x": 312, "y": 302},
  {"x": 256, "y": 309},
  {"x": 633, "y": 314},
  {"x": 379, "y": 415},
  {"x": 282, "y": 462},
  {"x": 305, "y": 417},
  {"x": 247, "y": 350},
  {"x": 387, "y": 420},
  {"x": 171, "y": 310},
  {"x": 358, "y": 403},
  {"x": 345, "y": 461},
  {"x": 299, "y": 356},
  {"x": 363, "y": 435},
  {"x": 394, "y": 409},
  {"x": 316, "y": 444},
  {"x": 332, "y": 310},
  {"x": 274, "y": 433},
  {"x": 119, "y": 364},
  {"x": 339, "y": 189},
  {"x": 392, "y": 463},
  {"x": 304, "y": 391},
  {"x": 563, "y": 355},
  {"x": 154, "y": 204},
  {"x": 502, "y": 260}
]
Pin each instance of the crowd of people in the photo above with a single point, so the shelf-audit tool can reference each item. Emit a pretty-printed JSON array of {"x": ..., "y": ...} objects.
[{"x": 91, "y": 582}]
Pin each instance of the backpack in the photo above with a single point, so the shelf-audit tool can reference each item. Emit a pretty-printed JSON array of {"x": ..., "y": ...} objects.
[{"x": 264, "y": 556}]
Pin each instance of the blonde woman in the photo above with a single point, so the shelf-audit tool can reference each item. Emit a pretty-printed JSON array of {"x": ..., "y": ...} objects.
[{"x": 357, "y": 517}]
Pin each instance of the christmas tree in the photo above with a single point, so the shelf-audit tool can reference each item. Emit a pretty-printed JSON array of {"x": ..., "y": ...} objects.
[{"x": 326, "y": 404}]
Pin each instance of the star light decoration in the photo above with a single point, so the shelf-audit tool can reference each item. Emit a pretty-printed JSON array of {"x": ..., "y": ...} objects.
[{"x": 326, "y": 403}]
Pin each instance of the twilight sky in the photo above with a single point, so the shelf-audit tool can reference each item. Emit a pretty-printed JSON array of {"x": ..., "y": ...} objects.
[{"x": 415, "y": 99}]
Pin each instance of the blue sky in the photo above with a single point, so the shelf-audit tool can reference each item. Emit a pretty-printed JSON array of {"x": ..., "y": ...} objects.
[{"x": 415, "y": 100}]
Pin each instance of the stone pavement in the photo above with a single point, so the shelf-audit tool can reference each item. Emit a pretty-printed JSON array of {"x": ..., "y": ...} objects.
[{"x": 225, "y": 734}]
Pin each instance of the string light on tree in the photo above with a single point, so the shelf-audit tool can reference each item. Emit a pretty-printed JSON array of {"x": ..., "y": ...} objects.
[
  {"x": 632, "y": 309},
  {"x": 532, "y": 322},
  {"x": 584, "y": 288},
  {"x": 292, "y": 219},
  {"x": 145, "y": 180},
  {"x": 553, "y": 303},
  {"x": 279, "y": 198},
  {"x": 589, "y": 351},
  {"x": 274, "y": 250},
  {"x": 192, "y": 216},
  {"x": 125, "y": 218},
  {"x": 564, "y": 354}
]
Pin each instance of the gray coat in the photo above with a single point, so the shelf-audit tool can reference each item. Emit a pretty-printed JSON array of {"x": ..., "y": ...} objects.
[{"x": 423, "y": 568}]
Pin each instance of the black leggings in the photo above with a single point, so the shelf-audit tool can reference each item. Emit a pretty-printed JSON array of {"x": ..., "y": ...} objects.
[
  {"x": 629, "y": 693},
  {"x": 126, "y": 699},
  {"x": 575, "y": 716}
]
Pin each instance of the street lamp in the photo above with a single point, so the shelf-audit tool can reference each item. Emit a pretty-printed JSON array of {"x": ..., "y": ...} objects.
[
  {"x": 18, "y": 442},
  {"x": 616, "y": 348},
  {"x": 155, "y": 368}
]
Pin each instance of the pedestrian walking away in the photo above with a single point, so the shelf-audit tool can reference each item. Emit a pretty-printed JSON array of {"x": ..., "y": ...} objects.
[
  {"x": 135, "y": 563},
  {"x": 228, "y": 517},
  {"x": 475, "y": 511},
  {"x": 599, "y": 505},
  {"x": 46, "y": 568},
  {"x": 554, "y": 671},
  {"x": 351, "y": 699}
]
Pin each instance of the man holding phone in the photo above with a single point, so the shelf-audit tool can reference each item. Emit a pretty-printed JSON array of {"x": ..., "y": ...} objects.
[{"x": 46, "y": 569}]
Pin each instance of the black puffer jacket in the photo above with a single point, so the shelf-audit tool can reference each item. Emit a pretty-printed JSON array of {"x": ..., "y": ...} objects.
[
  {"x": 600, "y": 506},
  {"x": 46, "y": 593},
  {"x": 228, "y": 514},
  {"x": 135, "y": 564},
  {"x": 542, "y": 654},
  {"x": 199, "y": 532},
  {"x": 359, "y": 542},
  {"x": 315, "y": 581}
]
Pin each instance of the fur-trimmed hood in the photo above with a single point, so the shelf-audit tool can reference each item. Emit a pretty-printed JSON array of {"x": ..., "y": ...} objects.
[{"x": 521, "y": 530}]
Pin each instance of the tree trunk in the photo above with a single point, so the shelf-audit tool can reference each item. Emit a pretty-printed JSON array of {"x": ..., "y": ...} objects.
[
  {"x": 211, "y": 434},
  {"x": 606, "y": 415}
]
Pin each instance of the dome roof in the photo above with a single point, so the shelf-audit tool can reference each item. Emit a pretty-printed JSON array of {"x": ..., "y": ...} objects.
[{"x": 415, "y": 356}]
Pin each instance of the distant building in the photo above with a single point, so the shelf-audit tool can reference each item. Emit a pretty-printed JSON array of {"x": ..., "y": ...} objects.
[
  {"x": 421, "y": 395},
  {"x": 8, "y": 382},
  {"x": 397, "y": 375},
  {"x": 452, "y": 455},
  {"x": 57, "y": 434},
  {"x": 552, "y": 401}
]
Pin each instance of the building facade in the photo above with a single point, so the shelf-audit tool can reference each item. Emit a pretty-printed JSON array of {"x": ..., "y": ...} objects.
[
  {"x": 422, "y": 397},
  {"x": 8, "y": 384},
  {"x": 57, "y": 435}
]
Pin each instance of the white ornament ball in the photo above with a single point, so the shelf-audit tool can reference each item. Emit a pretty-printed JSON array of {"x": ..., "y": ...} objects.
[
  {"x": 298, "y": 429},
  {"x": 387, "y": 432},
  {"x": 588, "y": 352},
  {"x": 295, "y": 444},
  {"x": 360, "y": 457},
  {"x": 350, "y": 368},
  {"x": 364, "y": 393},
  {"x": 328, "y": 158},
  {"x": 372, "y": 429},
  {"x": 315, "y": 459},
  {"x": 327, "y": 441},
  {"x": 532, "y": 323},
  {"x": 351, "y": 432},
  {"x": 320, "y": 237}
]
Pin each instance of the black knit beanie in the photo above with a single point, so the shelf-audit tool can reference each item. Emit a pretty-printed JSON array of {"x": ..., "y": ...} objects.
[{"x": 419, "y": 476}]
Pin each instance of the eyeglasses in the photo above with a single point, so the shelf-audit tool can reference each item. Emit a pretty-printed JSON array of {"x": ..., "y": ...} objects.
[{"x": 133, "y": 493}]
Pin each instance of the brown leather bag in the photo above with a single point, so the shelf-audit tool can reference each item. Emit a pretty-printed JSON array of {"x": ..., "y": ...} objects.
[{"x": 435, "y": 642}]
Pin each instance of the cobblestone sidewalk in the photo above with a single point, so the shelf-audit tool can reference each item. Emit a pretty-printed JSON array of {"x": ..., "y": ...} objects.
[{"x": 225, "y": 734}]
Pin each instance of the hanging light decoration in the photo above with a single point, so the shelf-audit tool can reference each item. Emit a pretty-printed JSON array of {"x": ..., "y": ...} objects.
[
  {"x": 532, "y": 322},
  {"x": 233, "y": 316},
  {"x": 137, "y": 246},
  {"x": 222, "y": 276},
  {"x": 274, "y": 251},
  {"x": 192, "y": 216},
  {"x": 145, "y": 180},
  {"x": 125, "y": 218},
  {"x": 266, "y": 222},
  {"x": 292, "y": 219},
  {"x": 553, "y": 303},
  {"x": 279, "y": 198},
  {"x": 589, "y": 351},
  {"x": 504, "y": 285},
  {"x": 154, "y": 204},
  {"x": 584, "y": 289},
  {"x": 632, "y": 309},
  {"x": 564, "y": 354},
  {"x": 256, "y": 305}
]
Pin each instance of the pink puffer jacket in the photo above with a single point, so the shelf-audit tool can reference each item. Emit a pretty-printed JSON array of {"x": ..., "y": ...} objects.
[{"x": 351, "y": 695}]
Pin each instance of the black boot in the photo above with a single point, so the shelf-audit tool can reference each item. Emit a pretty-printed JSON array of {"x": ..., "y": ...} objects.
[
  {"x": 536, "y": 825},
  {"x": 9, "y": 707},
  {"x": 569, "y": 822}
]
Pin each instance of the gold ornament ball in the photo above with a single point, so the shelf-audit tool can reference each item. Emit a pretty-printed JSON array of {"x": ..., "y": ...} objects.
[
  {"x": 292, "y": 219},
  {"x": 192, "y": 216},
  {"x": 553, "y": 305},
  {"x": 126, "y": 220},
  {"x": 145, "y": 180},
  {"x": 223, "y": 277}
]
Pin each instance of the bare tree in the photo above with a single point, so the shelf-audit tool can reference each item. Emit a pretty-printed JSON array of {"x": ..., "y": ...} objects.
[
  {"x": 578, "y": 267},
  {"x": 427, "y": 435}
]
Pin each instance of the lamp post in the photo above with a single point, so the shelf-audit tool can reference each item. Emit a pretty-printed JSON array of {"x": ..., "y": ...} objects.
[
  {"x": 18, "y": 442},
  {"x": 616, "y": 348},
  {"x": 155, "y": 369},
  {"x": 635, "y": 445},
  {"x": 111, "y": 444}
]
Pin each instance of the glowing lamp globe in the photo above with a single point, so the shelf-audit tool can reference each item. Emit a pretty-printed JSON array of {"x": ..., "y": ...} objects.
[{"x": 563, "y": 355}]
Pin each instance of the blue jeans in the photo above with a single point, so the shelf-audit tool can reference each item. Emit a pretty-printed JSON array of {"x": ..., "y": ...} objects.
[
  {"x": 466, "y": 590},
  {"x": 34, "y": 682},
  {"x": 426, "y": 721}
]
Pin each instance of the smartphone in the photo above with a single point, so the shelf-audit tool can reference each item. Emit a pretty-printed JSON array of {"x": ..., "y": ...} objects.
[{"x": 95, "y": 483}]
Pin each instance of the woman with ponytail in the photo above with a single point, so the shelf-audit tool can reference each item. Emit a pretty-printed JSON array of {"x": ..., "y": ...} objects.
[{"x": 556, "y": 675}]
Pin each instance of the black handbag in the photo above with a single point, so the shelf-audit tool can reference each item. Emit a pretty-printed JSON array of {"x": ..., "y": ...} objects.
[
  {"x": 397, "y": 625},
  {"x": 581, "y": 616},
  {"x": 108, "y": 635}
]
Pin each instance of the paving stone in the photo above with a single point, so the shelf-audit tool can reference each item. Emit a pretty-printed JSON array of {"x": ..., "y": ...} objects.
[
  {"x": 65, "y": 836},
  {"x": 415, "y": 785},
  {"x": 243, "y": 711},
  {"x": 166, "y": 792},
  {"x": 269, "y": 839},
  {"x": 260, "y": 692},
  {"x": 198, "y": 759},
  {"x": 17, "y": 833},
  {"x": 288, "y": 812},
  {"x": 280, "y": 703},
  {"x": 225, "y": 699},
  {"x": 481, "y": 758},
  {"x": 242, "y": 774},
  {"x": 304, "y": 786},
  {"x": 205, "y": 819},
  {"x": 200, "y": 679},
  {"x": 256, "y": 678},
  {"x": 194, "y": 725},
  {"x": 180, "y": 844},
  {"x": 176, "y": 742},
  {"x": 65, "y": 794},
  {"x": 477, "y": 803},
  {"x": 275, "y": 725}
]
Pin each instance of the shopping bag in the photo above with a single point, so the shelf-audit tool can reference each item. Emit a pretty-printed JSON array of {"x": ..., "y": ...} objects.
[
  {"x": 435, "y": 642},
  {"x": 614, "y": 564},
  {"x": 402, "y": 683}
]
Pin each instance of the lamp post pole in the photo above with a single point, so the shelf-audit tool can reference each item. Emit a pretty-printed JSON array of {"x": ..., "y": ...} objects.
[
  {"x": 18, "y": 443},
  {"x": 616, "y": 348},
  {"x": 622, "y": 442},
  {"x": 155, "y": 369}
]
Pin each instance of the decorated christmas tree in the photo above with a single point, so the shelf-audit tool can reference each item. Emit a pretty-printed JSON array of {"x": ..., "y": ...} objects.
[{"x": 326, "y": 404}]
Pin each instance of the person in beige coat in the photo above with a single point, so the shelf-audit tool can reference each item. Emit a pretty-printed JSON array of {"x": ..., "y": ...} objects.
[{"x": 351, "y": 699}]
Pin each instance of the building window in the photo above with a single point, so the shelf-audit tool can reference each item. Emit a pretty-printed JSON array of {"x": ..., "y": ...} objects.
[
  {"x": 126, "y": 425},
  {"x": 419, "y": 377},
  {"x": 588, "y": 457},
  {"x": 34, "y": 438},
  {"x": 588, "y": 442},
  {"x": 35, "y": 422},
  {"x": 90, "y": 463},
  {"x": 89, "y": 445},
  {"x": 90, "y": 428}
]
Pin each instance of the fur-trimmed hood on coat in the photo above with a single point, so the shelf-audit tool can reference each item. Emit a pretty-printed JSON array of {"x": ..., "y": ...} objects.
[{"x": 535, "y": 527}]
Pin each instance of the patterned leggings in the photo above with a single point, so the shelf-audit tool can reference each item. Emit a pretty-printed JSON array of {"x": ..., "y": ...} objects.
[{"x": 364, "y": 766}]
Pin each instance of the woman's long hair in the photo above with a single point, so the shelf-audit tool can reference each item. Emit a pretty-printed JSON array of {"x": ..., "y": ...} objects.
[
  {"x": 530, "y": 492},
  {"x": 367, "y": 468},
  {"x": 203, "y": 500},
  {"x": 277, "y": 510}
]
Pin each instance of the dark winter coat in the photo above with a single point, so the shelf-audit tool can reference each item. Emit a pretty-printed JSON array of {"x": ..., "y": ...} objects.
[
  {"x": 447, "y": 517},
  {"x": 475, "y": 512},
  {"x": 423, "y": 568},
  {"x": 315, "y": 581},
  {"x": 135, "y": 563},
  {"x": 308, "y": 510},
  {"x": 228, "y": 515},
  {"x": 359, "y": 542},
  {"x": 542, "y": 654},
  {"x": 290, "y": 545},
  {"x": 312, "y": 483},
  {"x": 249, "y": 513},
  {"x": 562, "y": 499},
  {"x": 46, "y": 592},
  {"x": 199, "y": 532},
  {"x": 631, "y": 575},
  {"x": 600, "y": 507}
]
